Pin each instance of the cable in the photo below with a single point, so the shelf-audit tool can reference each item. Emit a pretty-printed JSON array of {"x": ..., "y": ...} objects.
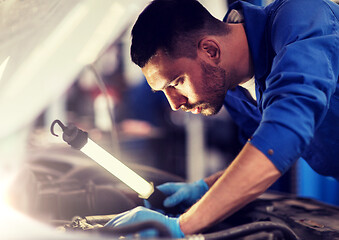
[
  {"x": 232, "y": 233},
  {"x": 103, "y": 89},
  {"x": 252, "y": 228}
]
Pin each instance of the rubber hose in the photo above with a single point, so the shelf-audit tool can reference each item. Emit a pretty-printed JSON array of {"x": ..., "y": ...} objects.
[{"x": 251, "y": 228}]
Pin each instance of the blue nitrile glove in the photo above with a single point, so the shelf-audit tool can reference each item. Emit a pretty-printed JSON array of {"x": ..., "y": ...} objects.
[
  {"x": 142, "y": 214},
  {"x": 183, "y": 194},
  {"x": 147, "y": 204}
]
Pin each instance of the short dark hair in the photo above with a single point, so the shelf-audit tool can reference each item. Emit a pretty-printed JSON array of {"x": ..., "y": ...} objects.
[{"x": 173, "y": 26}]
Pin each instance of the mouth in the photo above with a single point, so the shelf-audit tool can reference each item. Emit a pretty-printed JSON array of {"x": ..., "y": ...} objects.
[{"x": 196, "y": 110}]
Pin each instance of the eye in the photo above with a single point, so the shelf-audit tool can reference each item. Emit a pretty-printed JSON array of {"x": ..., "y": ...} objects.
[{"x": 177, "y": 82}]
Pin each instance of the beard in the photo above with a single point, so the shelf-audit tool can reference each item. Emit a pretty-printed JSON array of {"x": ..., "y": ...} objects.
[{"x": 213, "y": 90}]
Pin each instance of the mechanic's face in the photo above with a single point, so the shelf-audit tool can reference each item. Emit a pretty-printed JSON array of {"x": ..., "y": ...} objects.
[{"x": 190, "y": 84}]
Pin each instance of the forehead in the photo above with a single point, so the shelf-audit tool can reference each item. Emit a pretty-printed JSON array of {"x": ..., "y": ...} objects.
[{"x": 158, "y": 69}]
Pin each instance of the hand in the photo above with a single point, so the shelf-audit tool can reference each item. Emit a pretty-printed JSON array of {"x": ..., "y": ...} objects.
[
  {"x": 141, "y": 214},
  {"x": 183, "y": 194}
]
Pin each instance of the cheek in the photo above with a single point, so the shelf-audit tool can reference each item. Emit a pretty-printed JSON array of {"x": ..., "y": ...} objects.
[
  {"x": 193, "y": 91},
  {"x": 195, "y": 84}
]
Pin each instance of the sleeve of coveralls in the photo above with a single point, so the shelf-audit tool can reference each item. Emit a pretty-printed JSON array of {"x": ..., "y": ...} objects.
[{"x": 302, "y": 79}]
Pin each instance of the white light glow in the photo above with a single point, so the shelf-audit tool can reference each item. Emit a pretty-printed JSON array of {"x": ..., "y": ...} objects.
[
  {"x": 45, "y": 50},
  {"x": 104, "y": 30},
  {"x": 118, "y": 169},
  {"x": 3, "y": 67}
]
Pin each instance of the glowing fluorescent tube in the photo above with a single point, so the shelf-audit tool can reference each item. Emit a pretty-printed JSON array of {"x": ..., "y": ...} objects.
[
  {"x": 79, "y": 139},
  {"x": 118, "y": 169}
]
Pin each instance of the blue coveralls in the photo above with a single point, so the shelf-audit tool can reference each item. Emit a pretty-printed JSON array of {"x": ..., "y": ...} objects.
[{"x": 294, "y": 46}]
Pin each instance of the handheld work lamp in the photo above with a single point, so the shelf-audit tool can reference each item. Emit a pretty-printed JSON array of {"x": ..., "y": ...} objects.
[{"x": 79, "y": 139}]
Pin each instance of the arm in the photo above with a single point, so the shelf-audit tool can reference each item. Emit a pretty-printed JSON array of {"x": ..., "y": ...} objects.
[
  {"x": 297, "y": 92},
  {"x": 213, "y": 178},
  {"x": 250, "y": 174}
]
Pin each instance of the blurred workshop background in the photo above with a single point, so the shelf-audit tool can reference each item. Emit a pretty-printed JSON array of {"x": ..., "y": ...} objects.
[{"x": 106, "y": 95}]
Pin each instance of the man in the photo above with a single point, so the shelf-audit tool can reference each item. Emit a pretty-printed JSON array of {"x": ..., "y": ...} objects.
[{"x": 200, "y": 63}]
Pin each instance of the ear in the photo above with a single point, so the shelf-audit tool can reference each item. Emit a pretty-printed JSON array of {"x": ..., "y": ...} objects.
[{"x": 209, "y": 48}]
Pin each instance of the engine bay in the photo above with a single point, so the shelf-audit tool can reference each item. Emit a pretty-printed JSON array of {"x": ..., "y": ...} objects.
[{"x": 65, "y": 189}]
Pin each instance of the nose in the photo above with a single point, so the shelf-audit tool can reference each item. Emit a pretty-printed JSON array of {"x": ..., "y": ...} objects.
[{"x": 175, "y": 99}]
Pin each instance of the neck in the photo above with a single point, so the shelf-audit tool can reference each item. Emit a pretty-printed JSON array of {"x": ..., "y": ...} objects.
[{"x": 237, "y": 56}]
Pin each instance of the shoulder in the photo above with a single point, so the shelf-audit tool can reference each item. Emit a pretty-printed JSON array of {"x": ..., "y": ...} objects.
[
  {"x": 300, "y": 11},
  {"x": 299, "y": 6},
  {"x": 291, "y": 20}
]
